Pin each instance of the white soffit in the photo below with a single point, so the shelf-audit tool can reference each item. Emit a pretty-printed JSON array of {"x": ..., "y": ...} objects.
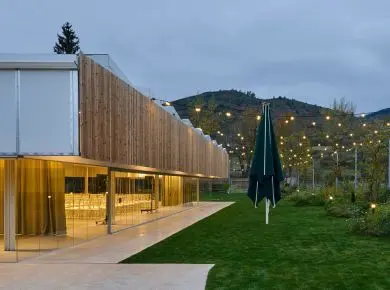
[{"x": 38, "y": 61}]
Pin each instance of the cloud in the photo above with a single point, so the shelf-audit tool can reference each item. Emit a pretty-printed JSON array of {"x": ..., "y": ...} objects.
[{"x": 311, "y": 50}]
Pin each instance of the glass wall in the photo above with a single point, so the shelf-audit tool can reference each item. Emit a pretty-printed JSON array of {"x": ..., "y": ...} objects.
[
  {"x": 59, "y": 204},
  {"x": 141, "y": 198},
  {"x": 5, "y": 256}
]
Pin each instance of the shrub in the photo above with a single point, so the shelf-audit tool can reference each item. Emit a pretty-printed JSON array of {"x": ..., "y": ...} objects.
[
  {"x": 375, "y": 223},
  {"x": 344, "y": 208},
  {"x": 287, "y": 189},
  {"x": 307, "y": 198}
]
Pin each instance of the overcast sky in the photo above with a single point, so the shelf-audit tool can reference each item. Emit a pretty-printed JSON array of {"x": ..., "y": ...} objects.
[{"x": 310, "y": 50}]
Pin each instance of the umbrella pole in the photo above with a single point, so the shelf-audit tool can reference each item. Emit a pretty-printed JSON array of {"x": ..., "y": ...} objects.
[
  {"x": 257, "y": 188},
  {"x": 267, "y": 202}
]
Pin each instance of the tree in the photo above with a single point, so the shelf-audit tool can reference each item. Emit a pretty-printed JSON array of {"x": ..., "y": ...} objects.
[{"x": 68, "y": 42}]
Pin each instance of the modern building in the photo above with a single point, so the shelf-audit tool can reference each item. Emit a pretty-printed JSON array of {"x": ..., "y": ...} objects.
[{"x": 84, "y": 154}]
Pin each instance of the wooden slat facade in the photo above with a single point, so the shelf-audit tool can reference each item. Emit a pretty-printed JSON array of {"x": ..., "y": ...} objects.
[{"x": 120, "y": 125}]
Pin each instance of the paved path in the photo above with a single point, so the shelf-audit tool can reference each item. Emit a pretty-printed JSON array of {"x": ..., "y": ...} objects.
[
  {"x": 103, "y": 276},
  {"x": 93, "y": 264}
]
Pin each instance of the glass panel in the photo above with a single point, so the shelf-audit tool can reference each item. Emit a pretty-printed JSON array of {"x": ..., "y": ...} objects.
[
  {"x": 58, "y": 205},
  {"x": 5, "y": 256}
]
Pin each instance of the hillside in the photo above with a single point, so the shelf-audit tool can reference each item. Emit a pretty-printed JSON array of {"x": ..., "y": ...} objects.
[
  {"x": 381, "y": 114},
  {"x": 237, "y": 102}
]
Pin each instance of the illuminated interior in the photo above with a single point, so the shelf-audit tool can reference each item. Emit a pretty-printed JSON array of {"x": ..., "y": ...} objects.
[{"x": 61, "y": 204}]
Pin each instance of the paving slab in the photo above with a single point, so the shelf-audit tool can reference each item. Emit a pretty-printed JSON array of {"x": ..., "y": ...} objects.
[{"x": 103, "y": 276}]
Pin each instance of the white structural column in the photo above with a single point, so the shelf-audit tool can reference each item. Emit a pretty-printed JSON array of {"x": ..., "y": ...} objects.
[{"x": 10, "y": 190}]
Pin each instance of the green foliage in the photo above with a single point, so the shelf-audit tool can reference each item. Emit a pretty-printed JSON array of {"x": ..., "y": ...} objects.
[
  {"x": 287, "y": 190},
  {"x": 373, "y": 222},
  {"x": 68, "y": 42},
  {"x": 307, "y": 198}
]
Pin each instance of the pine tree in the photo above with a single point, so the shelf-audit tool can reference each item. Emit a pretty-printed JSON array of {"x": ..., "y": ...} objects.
[{"x": 68, "y": 42}]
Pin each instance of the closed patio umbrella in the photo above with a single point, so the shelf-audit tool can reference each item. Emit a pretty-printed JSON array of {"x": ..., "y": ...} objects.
[{"x": 266, "y": 171}]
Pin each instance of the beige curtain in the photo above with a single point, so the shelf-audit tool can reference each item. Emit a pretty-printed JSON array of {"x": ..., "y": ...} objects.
[
  {"x": 40, "y": 199},
  {"x": 1, "y": 197},
  {"x": 172, "y": 190}
]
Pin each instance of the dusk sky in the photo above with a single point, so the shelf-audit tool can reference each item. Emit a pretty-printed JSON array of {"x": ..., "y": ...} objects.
[{"x": 312, "y": 51}]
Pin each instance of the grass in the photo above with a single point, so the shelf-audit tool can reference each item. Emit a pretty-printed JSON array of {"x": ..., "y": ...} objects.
[{"x": 301, "y": 248}]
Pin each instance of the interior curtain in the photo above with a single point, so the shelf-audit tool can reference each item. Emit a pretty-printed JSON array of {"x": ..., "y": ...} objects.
[{"x": 41, "y": 197}]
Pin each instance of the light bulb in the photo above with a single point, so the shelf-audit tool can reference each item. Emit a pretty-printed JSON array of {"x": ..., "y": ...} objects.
[
  {"x": 327, "y": 117},
  {"x": 339, "y": 124}
]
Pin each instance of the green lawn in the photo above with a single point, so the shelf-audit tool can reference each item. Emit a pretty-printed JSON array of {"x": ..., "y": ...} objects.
[{"x": 301, "y": 248}]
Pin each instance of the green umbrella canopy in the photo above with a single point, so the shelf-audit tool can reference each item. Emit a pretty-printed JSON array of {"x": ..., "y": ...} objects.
[{"x": 266, "y": 170}]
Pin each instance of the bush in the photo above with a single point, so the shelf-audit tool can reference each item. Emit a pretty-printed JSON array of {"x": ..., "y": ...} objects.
[
  {"x": 287, "y": 189},
  {"x": 344, "y": 208},
  {"x": 375, "y": 223},
  {"x": 307, "y": 198}
]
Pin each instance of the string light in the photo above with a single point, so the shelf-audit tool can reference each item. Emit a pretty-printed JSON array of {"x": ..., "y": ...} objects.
[
  {"x": 376, "y": 132},
  {"x": 328, "y": 118},
  {"x": 238, "y": 134},
  {"x": 228, "y": 114},
  {"x": 286, "y": 121},
  {"x": 339, "y": 124},
  {"x": 363, "y": 115},
  {"x": 351, "y": 134},
  {"x": 364, "y": 124},
  {"x": 221, "y": 134},
  {"x": 304, "y": 137},
  {"x": 300, "y": 144},
  {"x": 327, "y": 136},
  {"x": 258, "y": 118},
  {"x": 242, "y": 138},
  {"x": 197, "y": 110},
  {"x": 292, "y": 118},
  {"x": 281, "y": 143},
  {"x": 314, "y": 123}
]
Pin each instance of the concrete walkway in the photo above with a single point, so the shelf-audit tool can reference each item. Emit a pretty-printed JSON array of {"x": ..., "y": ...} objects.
[{"x": 93, "y": 264}]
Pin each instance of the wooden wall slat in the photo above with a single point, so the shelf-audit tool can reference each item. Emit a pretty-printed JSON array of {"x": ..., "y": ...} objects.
[{"x": 120, "y": 125}]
